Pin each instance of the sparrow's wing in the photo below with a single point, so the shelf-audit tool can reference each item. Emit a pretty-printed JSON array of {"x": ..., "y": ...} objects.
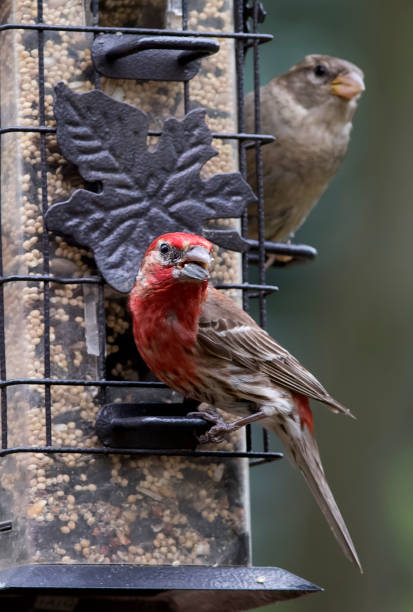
[{"x": 227, "y": 332}]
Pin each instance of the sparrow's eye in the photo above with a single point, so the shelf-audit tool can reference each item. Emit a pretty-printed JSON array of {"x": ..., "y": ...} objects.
[
  {"x": 164, "y": 248},
  {"x": 320, "y": 70}
]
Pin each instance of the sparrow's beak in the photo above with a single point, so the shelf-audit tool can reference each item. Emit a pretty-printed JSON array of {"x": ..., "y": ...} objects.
[
  {"x": 196, "y": 263},
  {"x": 347, "y": 85}
]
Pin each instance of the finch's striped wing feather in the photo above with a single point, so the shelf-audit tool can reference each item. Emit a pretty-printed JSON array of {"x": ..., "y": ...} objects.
[{"x": 227, "y": 332}]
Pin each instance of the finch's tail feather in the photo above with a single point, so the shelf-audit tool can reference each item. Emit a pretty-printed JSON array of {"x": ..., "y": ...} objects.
[
  {"x": 336, "y": 407},
  {"x": 302, "y": 448}
]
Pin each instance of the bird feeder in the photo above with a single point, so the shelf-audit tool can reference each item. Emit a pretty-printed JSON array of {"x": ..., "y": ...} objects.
[{"x": 104, "y": 489}]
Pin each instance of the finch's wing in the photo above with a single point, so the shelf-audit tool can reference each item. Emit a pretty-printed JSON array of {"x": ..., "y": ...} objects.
[{"x": 227, "y": 332}]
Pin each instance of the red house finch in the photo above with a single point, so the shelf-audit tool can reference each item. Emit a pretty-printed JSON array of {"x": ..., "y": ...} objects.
[
  {"x": 309, "y": 110},
  {"x": 202, "y": 345}
]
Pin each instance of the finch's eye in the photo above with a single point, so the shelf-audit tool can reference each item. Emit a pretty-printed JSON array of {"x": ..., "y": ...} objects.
[
  {"x": 320, "y": 70},
  {"x": 164, "y": 248}
]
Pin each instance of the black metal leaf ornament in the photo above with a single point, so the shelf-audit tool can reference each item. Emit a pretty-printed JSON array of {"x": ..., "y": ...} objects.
[{"x": 140, "y": 193}]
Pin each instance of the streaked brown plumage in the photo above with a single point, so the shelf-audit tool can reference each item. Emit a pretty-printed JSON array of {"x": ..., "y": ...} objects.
[
  {"x": 309, "y": 110},
  {"x": 201, "y": 344}
]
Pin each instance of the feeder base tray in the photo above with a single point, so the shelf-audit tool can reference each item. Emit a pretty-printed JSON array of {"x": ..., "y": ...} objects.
[{"x": 127, "y": 588}]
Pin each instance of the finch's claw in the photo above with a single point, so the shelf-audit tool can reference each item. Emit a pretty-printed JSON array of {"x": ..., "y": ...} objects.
[
  {"x": 217, "y": 431},
  {"x": 208, "y": 438},
  {"x": 281, "y": 260},
  {"x": 207, "y": 415}
]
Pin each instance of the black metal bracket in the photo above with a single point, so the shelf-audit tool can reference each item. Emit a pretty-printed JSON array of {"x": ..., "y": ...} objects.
[
  {"x": 156, "y": 58},
  {"x": 290, "y": 253},
  {"x": 6, "y": 526},
  {"x": 253, "y": 14},
  {"x": 162, "y": 427},
  {"x": 249, "y": 9},
  {"x": 150, "y": 426}
]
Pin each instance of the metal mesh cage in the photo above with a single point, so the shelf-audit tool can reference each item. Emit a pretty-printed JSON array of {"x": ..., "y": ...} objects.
[{"x": 40, "y": 279}]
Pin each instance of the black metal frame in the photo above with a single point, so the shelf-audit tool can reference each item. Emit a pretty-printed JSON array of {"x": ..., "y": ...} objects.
[{"x": 243, "y": 40}]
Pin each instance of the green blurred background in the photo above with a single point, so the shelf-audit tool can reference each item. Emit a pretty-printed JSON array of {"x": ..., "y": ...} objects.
[{"x": 347, "y": 316}]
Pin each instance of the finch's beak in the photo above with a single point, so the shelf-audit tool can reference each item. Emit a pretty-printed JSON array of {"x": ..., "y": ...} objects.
[
  {"x": 348, "y": 85},
  {"x": 196, "y": 263}
]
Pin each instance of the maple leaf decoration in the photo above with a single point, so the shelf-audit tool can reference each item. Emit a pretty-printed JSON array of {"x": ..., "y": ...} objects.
[{"x": 140, "y": 193}]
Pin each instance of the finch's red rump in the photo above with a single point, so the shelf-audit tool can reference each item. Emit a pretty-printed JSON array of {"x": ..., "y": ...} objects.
[{"x": 304, "y": 410}]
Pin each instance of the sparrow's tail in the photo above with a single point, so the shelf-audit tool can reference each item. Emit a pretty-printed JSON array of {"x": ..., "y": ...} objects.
[{"x": 302, "y": 449}]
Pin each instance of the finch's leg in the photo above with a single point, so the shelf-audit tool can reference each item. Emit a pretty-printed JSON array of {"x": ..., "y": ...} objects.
[
  {"x": 283, "y": 259},
  {"x": 221, "y": 427},
  {"x": 270, "y": 260}
]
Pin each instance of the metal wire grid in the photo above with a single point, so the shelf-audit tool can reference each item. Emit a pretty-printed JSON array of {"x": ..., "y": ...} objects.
[{"x": 242, "y": 41}]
